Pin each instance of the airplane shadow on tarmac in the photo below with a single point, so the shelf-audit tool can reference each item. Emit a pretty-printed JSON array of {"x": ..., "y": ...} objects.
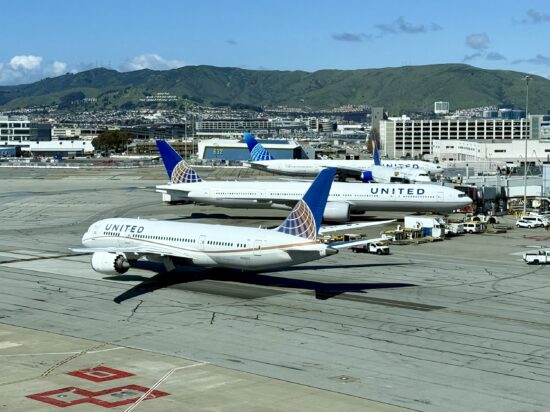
[
  {"x": 198, "y": 215},
  {"x": 187, "y": 275}
]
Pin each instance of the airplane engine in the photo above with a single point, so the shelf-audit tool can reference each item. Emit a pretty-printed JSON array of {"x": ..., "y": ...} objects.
[
  {"x": 336, "y": 212},
  {"x": 366, "y": 176},
  {"x": 110, "y": 263}
]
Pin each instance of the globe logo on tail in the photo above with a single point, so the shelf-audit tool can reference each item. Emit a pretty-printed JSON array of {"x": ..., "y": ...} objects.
[
  {"x": 182, "y": 173},
  {"x": 300, "y": 222},
  {"x": 259, "y": 153}
]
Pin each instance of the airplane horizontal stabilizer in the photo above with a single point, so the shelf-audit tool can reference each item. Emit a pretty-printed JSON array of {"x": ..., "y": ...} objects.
[{"x": 350, "y": 226}]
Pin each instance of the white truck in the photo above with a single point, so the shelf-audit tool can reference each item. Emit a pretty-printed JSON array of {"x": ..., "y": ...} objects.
[
  {"x": 537, "y": 258},
  {"x": 380, "y": 248},
  {"x": 454, "y": 228},
  {"x": 431, "y": 225}
]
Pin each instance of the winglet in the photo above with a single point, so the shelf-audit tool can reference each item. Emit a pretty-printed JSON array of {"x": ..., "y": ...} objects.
[
  {"x": 375, "y": 153},
  {"x": 257, "y": 151},
  {"x": 178, "y": 170},
  {"x": 306, "y": 217}
]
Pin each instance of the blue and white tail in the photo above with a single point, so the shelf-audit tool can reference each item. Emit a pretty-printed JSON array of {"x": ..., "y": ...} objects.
[
  {"x": 178, "y": 170},
  {"x": 375, "y": 154},
  {"x": 306, "y": 217},
  {"x": 257, "y": 151}
]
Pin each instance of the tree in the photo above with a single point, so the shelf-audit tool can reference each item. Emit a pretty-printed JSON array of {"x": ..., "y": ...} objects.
[{"x": 116, "y": 140}]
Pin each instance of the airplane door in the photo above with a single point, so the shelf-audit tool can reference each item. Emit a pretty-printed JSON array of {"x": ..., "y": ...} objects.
[
  {"x": 201, "y": 242},
  {"x": 440, "y": 196},
  {"x": 257, "y": 248}
]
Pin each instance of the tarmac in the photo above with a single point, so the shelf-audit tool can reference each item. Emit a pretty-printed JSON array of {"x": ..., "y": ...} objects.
[{"x": 457, "y": 325}]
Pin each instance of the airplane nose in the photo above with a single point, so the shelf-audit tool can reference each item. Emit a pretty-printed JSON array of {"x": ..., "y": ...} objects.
[{"x": 86, "y": 238}]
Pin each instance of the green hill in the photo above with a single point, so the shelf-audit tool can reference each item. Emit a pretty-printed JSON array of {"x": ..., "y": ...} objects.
[{"x": 402, "y": 89}]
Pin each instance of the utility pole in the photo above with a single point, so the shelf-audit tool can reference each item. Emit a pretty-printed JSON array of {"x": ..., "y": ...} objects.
[{"x": 527, "y": 79}]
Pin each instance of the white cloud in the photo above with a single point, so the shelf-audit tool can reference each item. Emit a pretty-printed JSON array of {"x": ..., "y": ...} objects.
[
  {"x": 150, "y": 61},
  {"x": 25, "y": 62},
  {"x": 28, "y": 69},
  {"x": 58, "y": 68}
]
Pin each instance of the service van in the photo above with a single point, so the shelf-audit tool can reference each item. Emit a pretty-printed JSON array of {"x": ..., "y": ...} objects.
[
  {"x": 473, "y": 227},
  {"x": 530, "y": 222}
]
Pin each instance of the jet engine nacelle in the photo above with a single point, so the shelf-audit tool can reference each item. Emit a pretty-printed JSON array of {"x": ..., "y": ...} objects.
[
  {"x": 366, "y": 176},
  {"x": 336, "y": 212},
  {"x": 110, "y": 263}
]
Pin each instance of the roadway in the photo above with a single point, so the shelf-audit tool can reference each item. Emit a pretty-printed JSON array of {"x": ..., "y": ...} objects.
[{"x": 455, "y": 325}]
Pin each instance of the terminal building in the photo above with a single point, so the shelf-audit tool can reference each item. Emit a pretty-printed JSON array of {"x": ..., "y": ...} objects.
[
  {"x": 234, "y": 128},
  {"x": 418, "y": 138},
  {"x": 236, "y": 150}
]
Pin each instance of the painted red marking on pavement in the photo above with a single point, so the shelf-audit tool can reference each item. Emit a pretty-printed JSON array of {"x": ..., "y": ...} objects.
[
  {"x": 100, "y": 374},
  {"x": 56, "y": 397},
  {"x": 125, "y": 395}
]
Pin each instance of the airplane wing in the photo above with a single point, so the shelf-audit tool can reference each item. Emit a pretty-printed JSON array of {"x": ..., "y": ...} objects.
[
  {"x": 337, "y": 228},
  {"x": 349, "y": 171},
  {"x": 345, "y": 245},
  {"x": 138, "y": 251}
]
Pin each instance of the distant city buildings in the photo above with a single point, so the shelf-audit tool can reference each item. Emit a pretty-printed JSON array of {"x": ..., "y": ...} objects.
[
  {"x": 36, "y": 139},
  {"x": 441, "y": 107}
]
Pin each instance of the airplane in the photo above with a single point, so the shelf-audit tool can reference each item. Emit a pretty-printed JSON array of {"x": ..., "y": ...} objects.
[
  {"x": 117, "y": 244},
  {"x": 186, "y": 186},
  {"x": 365, "y": 170}
]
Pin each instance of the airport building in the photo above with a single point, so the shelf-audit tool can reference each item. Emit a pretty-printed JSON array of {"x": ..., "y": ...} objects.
[
  {"x": 489, "y": 156},
  {"x": 71, "y": 133},
  {"x": 407, "y": 137},
  {"x": 231, "y": 128},
  {"x": 236, "y": 150},
  {"x": 14, "y": 129},
  {"x": 36, "y": 139}
]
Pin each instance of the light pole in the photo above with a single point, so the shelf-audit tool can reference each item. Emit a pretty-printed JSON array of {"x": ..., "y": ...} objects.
[{"x": 526, "y": 78}]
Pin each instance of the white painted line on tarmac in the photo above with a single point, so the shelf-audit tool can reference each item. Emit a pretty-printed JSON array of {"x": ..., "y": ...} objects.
[
  {"x": 58, "y": 353},
  {"x": 5, "y": 345},
  {"x": 159, "y": 382}
]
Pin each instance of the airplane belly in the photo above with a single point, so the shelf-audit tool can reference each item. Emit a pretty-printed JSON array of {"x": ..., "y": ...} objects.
[
  {"x": 238, "y": 203},
  {"x": 407, "y": 206},
  {"x": 269, "y": 259}
]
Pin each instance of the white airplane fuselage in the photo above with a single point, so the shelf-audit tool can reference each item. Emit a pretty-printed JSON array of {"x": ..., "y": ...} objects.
[
  {"x": 360, "y": 197},
  {"x": 313, "y": 166},
  {"x": 200, "y": 244}
]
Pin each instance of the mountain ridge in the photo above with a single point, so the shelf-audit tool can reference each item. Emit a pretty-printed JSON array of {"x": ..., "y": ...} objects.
[{"x": 398, "y": 89}]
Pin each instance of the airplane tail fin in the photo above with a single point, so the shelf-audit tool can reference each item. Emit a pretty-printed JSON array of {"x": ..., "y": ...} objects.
[
  {"x": 306, "y": 217},
  {"x": 257, "y": 151},
  {"x": 375, "y": 154},
  {"x": 177, "y": 168}
]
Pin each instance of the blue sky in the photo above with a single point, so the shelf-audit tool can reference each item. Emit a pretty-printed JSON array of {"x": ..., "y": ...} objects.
[{"x": 45, "y": 38}]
